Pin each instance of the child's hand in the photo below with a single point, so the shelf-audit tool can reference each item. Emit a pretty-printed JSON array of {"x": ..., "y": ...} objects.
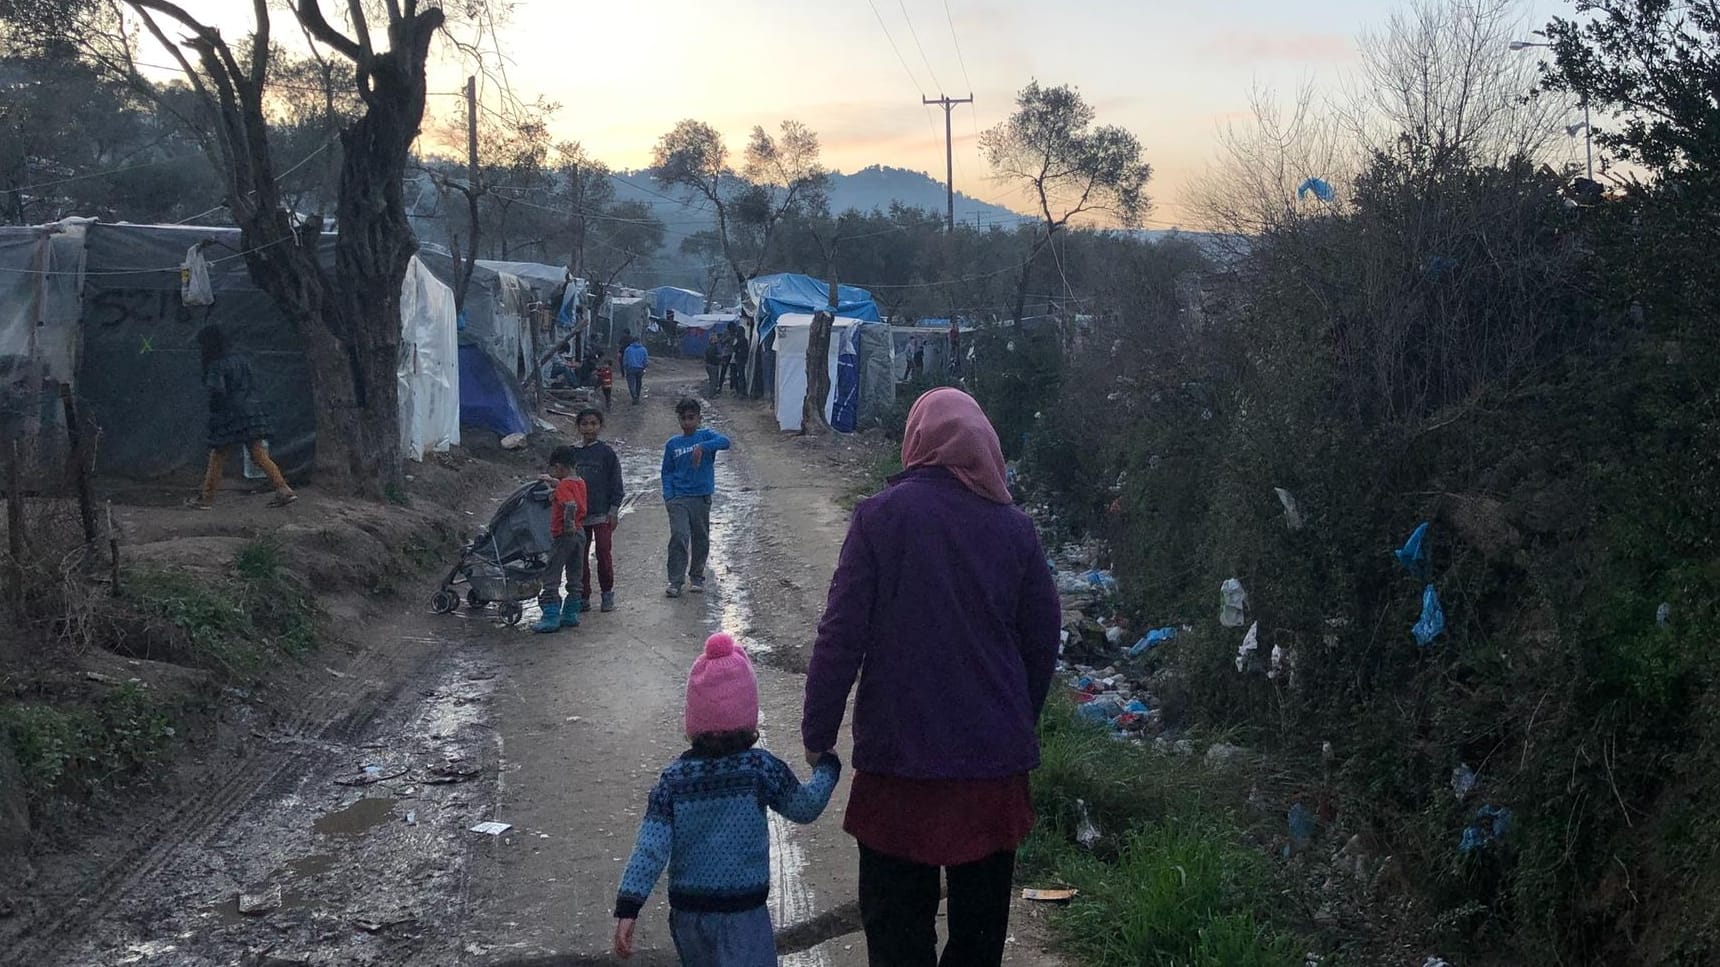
[
  {"x": 624, "y": 938},
  {"x": 698, "y": 455}
]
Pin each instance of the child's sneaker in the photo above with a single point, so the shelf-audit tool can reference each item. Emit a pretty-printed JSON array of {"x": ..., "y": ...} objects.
[
  {"x": 698, "y": 585},
  {"x": 672, "y": 591},
  {"x": 608, "y": 603}
]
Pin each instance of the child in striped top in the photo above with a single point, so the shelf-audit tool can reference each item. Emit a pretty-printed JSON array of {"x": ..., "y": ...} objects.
[{"x": 706, "y": 823}]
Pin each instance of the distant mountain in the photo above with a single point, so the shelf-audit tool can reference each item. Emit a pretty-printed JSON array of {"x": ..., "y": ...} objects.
[{"x": 876, "y": 187}]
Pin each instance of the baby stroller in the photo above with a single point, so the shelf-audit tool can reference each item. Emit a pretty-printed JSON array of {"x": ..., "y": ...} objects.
[{"x": 505, "y": 562}]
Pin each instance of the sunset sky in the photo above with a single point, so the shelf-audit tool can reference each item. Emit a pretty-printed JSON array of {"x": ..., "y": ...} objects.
[{"x": 1172, "y": 72}]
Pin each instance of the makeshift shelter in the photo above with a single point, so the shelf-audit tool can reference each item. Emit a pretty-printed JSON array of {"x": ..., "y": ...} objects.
[
  {"x": 685, "y": 302},
  {"x": 769, "y": 297},
  {"x": 861, "y": 387},
  {"x": 495, "y": 315},
  {"x": 935, "y": 344},
  {"x": 621, "y": 313},
  {"x": 41, "y": 300},
  {"x": 134, "y": 361},
  {"x": 549, "y": 284},
  {"x": 695, "y": 332}
]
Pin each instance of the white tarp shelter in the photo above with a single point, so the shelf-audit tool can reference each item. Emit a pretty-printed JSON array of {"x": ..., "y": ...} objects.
[
  {"x": 793, "y": 331},
  {"x": 429, "y": 364}
]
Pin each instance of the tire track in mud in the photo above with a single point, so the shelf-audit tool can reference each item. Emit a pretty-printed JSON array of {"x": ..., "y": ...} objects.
[{"x": 315, "y": 731}]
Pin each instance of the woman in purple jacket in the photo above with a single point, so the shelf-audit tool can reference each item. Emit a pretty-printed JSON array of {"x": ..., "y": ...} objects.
[{"x": 943, "y": 607}]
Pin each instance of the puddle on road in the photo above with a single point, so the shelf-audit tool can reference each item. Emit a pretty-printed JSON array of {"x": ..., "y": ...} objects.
[
  {"x": 732, "y": 543},
  {"x": 357, "y": 819},
  {"x": 313, "y": 865}
]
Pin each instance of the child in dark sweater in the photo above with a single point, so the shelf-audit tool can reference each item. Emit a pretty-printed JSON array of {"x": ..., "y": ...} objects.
[{"x": 706, "y": 823}]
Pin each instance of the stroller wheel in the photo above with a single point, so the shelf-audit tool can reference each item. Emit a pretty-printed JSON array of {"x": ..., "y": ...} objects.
[
  {"x": 444, "y": 602},
  {"x": 512, "y": 612},
  {"x": 475, "y": 602}
]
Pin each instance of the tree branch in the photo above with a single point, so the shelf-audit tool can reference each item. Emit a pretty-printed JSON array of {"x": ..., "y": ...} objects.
[
  {"x": 260, "y": 45},
  {"x": 311, "y": 15},
  {"x": 361, "y": 27}
]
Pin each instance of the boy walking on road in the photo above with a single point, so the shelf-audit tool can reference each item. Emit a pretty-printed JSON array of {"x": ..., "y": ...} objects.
[
  {"x": 689, "y": 481},
  {"x": 604, "y": 491},
  {"x": 634, "y": 361},
  {"x": 567, "y": 541}
]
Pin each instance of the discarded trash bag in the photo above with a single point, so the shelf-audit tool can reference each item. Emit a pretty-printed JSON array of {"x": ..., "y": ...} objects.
[
  {"x": 1250, "y": 645},
  {"x": 1663, "y": 614},
  {"x": 1463, "y": 781},
  {"x": 1413, "y": 554},
  {"x": 1301, "y": 823},
  {"x": 1292, "y": 513},
  {"x": 1432, "y": 623},
  {"x": 1099, "y": 712},
  {"x": 1232, "y": 604},
  {"x": 1318, "y": 187},
  {"x": 1153, "y": 639},
  {"x": 194, "y": 287},
  {"x": 1086, "y": 833},
  {"x": 1100, "y": 581},
  {"x": 1491, "y": 825}
]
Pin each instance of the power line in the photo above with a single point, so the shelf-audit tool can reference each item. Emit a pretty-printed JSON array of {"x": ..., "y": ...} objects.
[
  {"x": 916, "y": 35},
  {"x": 959, "y": 58},
  {"x": 899, "y": 58}
]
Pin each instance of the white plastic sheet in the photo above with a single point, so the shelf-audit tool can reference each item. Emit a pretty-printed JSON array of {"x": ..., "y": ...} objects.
[
  {"x": 429, "y": 364},
  {"x": 194, "y": 286},
  {"x": 792, "y": 334}
]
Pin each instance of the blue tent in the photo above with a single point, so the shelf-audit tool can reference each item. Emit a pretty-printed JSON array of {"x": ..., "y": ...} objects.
[
  {"x": 685, "y": 302},
  {"x": 845, "y": 408},
  {"x": 786, "y": 292},
  {"x": 488, "y": 397}
]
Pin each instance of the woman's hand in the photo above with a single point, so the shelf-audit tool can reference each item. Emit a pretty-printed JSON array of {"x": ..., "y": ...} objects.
[
  {"x": 624, "y": 938},
  {"x": 812, "y": 758}
]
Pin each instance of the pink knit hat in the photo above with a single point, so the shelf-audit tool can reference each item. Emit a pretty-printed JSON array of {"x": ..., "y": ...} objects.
[{"x": 722, "y": 694}]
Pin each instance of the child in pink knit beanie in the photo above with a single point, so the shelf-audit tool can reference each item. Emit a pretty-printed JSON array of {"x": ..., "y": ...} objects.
[{"x": 705, "y": 822}]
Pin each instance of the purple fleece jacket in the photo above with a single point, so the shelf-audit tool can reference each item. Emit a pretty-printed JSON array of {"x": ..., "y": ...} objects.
[{"x": 943, "y": 606}]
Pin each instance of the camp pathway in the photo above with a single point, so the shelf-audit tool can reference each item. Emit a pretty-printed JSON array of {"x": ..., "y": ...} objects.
[{"x": 587, "y": 717}]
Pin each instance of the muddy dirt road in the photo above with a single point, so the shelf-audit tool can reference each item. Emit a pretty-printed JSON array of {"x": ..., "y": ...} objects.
[{"x": 338, "y": 829}]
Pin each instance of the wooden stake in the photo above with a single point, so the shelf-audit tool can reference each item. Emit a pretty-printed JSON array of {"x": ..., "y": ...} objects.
[
  {"x": 80, "y": 464},
  {"x": 113, "y": 548},
  {"x": 15, "y": 527}
]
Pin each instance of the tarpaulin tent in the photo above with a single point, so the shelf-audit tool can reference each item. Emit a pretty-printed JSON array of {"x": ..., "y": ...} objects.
[
  {"x": 429, "y": 364},
  {"x": 41, "y": 299},
  {"x": 495, "y": 313},
  {"x": 548, "y": 283},
  {"x": 696, "y": 331},
  {"x": 630, "y": 314},
  {"x": 489, "y": 395},
  {"x": 852, "y": 402},
  {"x": 769, "y": 297},
  {"x": 685, "y": 302},
  {"x": 935, "y": 347},
  {"x": 138, "y": 372}
]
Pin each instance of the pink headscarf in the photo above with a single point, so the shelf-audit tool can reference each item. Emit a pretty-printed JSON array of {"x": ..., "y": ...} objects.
[{"x": 946, "y": 428}]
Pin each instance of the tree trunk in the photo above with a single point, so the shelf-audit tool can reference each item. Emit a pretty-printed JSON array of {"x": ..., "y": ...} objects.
[{"x": 812, "y": 419}]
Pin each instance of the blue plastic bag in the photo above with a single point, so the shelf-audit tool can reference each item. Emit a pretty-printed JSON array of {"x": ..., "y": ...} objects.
[
  {"x": 1301, "y": 823},
  {"x": 1413, "y": 554},
  {"x": 1154, "y": 638},
  {"x": 1432, "y": 623},
  {"x": 1491, "y": 825},
  {"x": 1318, "y": 187}
]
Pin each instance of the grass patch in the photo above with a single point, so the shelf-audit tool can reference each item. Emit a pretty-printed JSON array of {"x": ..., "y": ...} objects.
[
  {"x": 875, "y": 477},
  {"x": 233, "y": 626},
  {"x": 1170, "y": 879},
  {"x": 77, "y": 750}
]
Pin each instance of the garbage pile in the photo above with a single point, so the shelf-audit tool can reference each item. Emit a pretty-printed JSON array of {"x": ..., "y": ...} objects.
[{"x": 1095, "y": 638}]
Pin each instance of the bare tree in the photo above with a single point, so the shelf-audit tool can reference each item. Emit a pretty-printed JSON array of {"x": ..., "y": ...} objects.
[
  {"x": 1441, "y": 79},
  {"x": 1253, "y": 186},
  {"x": 1069, "y": 168}
]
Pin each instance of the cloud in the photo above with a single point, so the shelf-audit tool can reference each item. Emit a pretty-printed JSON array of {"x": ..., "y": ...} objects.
[{"x": 1252, "y": 46}]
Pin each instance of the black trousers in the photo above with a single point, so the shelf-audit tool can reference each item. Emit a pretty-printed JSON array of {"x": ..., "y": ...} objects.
[{"x": 899, "y": 908}]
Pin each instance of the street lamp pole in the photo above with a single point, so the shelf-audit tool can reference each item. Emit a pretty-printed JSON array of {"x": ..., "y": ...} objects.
[{"x": 1588, "y": 130}]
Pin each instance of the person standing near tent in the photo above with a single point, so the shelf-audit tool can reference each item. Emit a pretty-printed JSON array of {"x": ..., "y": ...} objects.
[
  {"x": 634, "y": 361},
  {"x": 737, "y": 359},
  {"x": 955, "y": 349},
  {"x": 716, "y": 348},
  {"x": 236, "y": 417},
  {"x": 949, "y": 697},
  {"x": 689, "y": 482}
]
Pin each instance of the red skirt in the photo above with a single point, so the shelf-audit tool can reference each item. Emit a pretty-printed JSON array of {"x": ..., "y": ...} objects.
[{"x": 939, "y": 822}]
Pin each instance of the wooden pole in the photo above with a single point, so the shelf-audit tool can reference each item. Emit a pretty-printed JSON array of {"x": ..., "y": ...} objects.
[
  {"x": 15, "y": 528},
  {"x": 113, "y": 548},
  {"x": 80, "y": 464}
]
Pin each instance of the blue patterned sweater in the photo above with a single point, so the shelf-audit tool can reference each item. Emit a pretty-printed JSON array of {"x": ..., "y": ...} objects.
[{"x": 706, "y": 823}]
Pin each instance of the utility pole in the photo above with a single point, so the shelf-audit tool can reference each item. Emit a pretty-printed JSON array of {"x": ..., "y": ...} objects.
[
  {"x": 472, "y": 131},
  {"x": 949, "y": 104}
]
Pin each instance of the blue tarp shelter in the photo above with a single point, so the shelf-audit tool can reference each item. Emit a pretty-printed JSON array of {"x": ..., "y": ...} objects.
[
  {"x": 776, "y": 295},
  {"x": 685, "y": 302},
  {"x": 489, "y": 398}
]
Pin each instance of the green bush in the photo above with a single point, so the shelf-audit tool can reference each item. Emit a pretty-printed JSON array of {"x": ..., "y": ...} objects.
[{"x": 76, "y": 750}]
